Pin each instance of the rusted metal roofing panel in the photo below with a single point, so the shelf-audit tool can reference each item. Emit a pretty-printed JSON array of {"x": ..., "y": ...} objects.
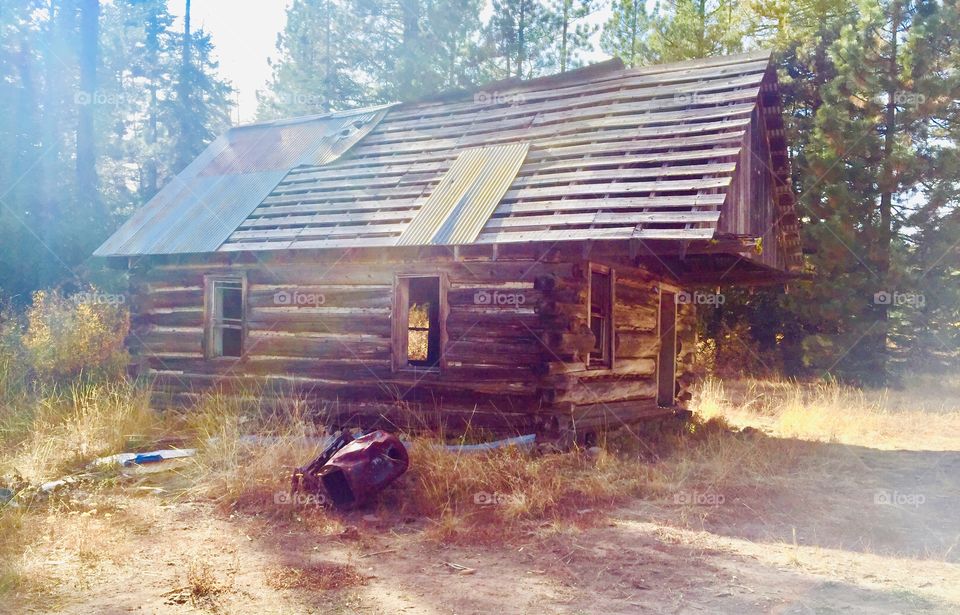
[
  {"x": 467, "y": 195},
  {"x": 200, "y": 207}
]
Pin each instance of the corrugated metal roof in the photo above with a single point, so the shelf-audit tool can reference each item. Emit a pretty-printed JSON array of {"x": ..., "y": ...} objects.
[
  {"x": 200, "y": 207},
  {"x": 468, "y": 193}
]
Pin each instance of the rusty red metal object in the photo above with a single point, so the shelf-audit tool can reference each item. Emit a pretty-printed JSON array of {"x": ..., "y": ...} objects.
[
  {"x": 363, "y": 467},
  {"x": 306, "y": 478}
]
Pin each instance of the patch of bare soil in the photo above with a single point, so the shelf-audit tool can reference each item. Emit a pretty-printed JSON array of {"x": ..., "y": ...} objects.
[{"x": 875, "y": 532}]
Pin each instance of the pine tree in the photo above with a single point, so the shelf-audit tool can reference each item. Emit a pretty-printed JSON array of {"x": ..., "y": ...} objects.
[
  {"x": 316, "y": 68},
  {"x": 86, "y": 157},
  {"x": 202, "y": 100},
  {"x": 518, "y": 38},
  {"x": 687, "y": 29},
  {"x": 626, "y": 33},
  {"x": 571, "y": 33}
]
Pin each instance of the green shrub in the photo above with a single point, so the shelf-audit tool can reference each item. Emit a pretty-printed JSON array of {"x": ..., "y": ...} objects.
[{"x": 81, "y": 335}]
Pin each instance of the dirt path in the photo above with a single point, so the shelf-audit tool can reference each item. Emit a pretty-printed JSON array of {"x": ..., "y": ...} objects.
[{"x": 874, "y": 532}]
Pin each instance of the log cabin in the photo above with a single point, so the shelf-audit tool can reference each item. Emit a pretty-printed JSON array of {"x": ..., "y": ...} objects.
[{"x": 524, "y": 256}]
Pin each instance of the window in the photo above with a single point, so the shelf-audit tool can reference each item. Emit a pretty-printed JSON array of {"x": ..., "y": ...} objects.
[
  {"x": 417, "y": 329},
  {"x": 225, "y": 323},
  {"x": 601, "y": 316},
  {"x": 667, "y": 357}
]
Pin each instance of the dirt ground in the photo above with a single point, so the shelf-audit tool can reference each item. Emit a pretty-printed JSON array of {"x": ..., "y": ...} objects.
[{"x": 876, "y": 532}]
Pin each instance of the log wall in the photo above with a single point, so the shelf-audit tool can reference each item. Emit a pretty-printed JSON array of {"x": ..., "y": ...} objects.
[{"x": 318, "y": 327}]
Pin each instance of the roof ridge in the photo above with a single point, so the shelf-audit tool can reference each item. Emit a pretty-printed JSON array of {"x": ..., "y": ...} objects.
[{"x": 302, "y": 119}]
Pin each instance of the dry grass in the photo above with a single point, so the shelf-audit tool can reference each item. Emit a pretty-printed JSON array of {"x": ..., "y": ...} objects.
[
  {"x": 238, "y": 471},
  {"x": 464, "y": 497},
  {"x": 61, "y": 429},
  {"x": 504, "y": 489},
  {"x": 201, "y": 588},
  {"x": 832, "y": 412},
  {"x": 324, "y": 576}
]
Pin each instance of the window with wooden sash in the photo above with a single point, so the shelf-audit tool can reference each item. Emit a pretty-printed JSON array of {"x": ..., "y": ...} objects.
[
  {"x": 418, "y": 326},
  {"x": 601, "y": 316},
  {"x": 225, "y": 313}
]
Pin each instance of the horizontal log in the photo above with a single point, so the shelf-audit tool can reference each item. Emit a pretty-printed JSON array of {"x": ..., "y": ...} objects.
[
  {"x": 188, "y": 317},
  {"x": 616, "y": 414},
  {"x": 620, "y": 389},
  {"x": 155, "y": 301},
  {"x": 320, "y": 321},
  {"x": 635, "y": 345},
  {"x": 304, "y": 296},
  {"x": 347, "y": 347}
]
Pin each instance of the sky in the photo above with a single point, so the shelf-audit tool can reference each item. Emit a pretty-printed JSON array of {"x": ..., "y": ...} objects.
[{"x": 245, "y": 36}]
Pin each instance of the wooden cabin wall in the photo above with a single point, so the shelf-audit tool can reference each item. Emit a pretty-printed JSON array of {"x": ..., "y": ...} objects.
[
  {"x": 749, "y": 209},
  {"x": 337, "y": 355},
  {"x": 590, "y": 397},
  {"x": 506, "y": 367}
]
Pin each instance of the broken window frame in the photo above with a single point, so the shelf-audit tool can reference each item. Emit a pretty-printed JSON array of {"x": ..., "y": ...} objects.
[
  {"x": 215, "y": 323},
  {"x": 401, "y": 324},
  {"x": 606, "y": 357}
]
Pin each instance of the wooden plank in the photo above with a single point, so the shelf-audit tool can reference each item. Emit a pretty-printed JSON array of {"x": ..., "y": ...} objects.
[
  {"x": 600, "y": 218},
  {"x": 625, "y": 187},
  {"x": 633, "y": 84},
  {"x": 261, "y": 219},
  {"x": 609, "y": 203},
  {"x": 626, "y": 175},
  {"x": 577, "y": 119}
]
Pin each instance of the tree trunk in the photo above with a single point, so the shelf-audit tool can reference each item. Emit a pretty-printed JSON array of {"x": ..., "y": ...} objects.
[
  {"x": 409, "y": 46},
  {"x": 521, "y": 35},
  {"x": 86, "y": 152},
  {"x": 149, "y": 186},
  {"x": 887, "y": 187},
  {"x": 183, "y": 153},
  {"x": 563, "y": 36}
]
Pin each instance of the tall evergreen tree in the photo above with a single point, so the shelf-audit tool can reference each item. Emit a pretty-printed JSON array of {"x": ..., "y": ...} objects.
[
  {"x": 626, "y": 33},
  {"x": 519, "y": 38},
  {"x": 571, "y": 33},
  {"x": 77, "y": 127},
  {"x": 201, "y": 103},
  {"x": 86, "y": 157},
  {"x": 316, "y": 70},
  {"x": 686, "y": 29}
]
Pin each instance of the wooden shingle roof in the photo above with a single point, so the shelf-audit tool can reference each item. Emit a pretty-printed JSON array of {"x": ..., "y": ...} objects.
[{"x": 648, "y": 153}]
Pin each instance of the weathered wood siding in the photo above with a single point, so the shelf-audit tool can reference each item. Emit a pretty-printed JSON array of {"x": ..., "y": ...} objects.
[
  {"x": 602, "y": 396},
  {"x": 511, "y": 361}
]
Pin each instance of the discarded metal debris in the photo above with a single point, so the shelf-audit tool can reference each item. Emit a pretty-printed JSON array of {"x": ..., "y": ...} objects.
[
  {"x": 364, "y": 467},
  {"x": 350, "y": 471},
  {"x": 305, "y": 478}
]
